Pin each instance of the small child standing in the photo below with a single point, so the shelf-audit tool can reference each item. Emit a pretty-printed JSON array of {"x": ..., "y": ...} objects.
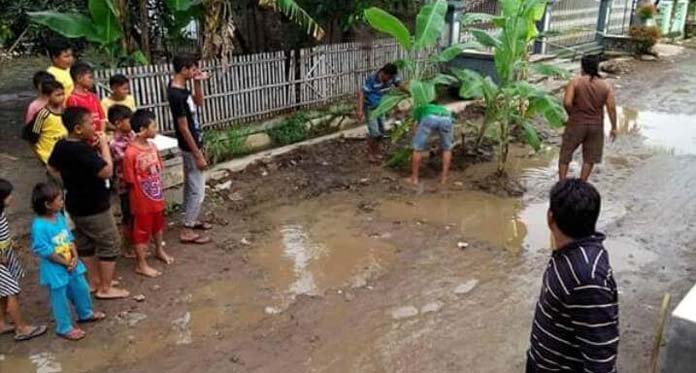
[
  {"x": 41, "y": 100},
  {"x": 82, "y": 96},
  {"x": 120, "y": 94},
  {"x": 142, "y": 168},
  {"x": 10, "y": 272},
  {"x": 120, "y": 116},
  {"x": 60, "y": 269}
]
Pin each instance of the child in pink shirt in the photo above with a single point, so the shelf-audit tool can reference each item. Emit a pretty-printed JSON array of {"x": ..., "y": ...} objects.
[{"x": 41, "y": 100}]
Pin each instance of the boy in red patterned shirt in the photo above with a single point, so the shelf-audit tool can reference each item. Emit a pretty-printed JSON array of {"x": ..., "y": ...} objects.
[
  {"x": 82, "y": 96},
  {"x": 142, "y": 169}
]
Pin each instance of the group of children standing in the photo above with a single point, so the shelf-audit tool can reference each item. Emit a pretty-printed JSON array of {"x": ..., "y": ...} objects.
[{"x": 67, "y": 126}]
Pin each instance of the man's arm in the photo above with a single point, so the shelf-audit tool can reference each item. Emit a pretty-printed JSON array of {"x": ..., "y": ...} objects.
[
  {"x": 594, "y": 315},
  {"x": 569, "y": 96},
  {"x": 611, "y": 109},
  {"x": 197, "y": 93},
  {"x": 182, "y": 124},
  {"x": 360, "y": 110},
  {"x": 108, "y": 170}
]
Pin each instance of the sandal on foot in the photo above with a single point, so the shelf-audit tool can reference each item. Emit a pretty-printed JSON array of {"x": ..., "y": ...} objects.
[
  {"x": 8, "y": 330},
  {"x": 96, "y": 316},
  {"x": 33, "y": 333},
  {"x": 73, "y": 335},
  {"x": 196, "y": 240},
  {"x": 201, "y": 226}
]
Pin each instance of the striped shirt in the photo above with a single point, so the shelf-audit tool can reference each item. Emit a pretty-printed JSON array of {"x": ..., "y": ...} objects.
[{"x": 576, "y": 322}]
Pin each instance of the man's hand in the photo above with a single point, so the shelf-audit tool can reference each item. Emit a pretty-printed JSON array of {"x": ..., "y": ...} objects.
[
  {"x": 613, "y": 134},
  {"x": 101, "y": 138},
  {"x": 72, "y": 264},
  {"x": 201, "y": 162},
  {"x": 360, "y": 115}
]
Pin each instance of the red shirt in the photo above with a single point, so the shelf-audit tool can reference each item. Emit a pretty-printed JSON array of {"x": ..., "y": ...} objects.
[
  {"x": 142, "y": 169},
  {"x": 90, "y": 102}
]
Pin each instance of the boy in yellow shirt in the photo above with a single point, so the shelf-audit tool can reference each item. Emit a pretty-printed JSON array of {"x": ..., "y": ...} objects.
[
  {"x": 62, "y": 59},
  {"x": 48, "y": 127},
  {"x": 120, "y": 94}
]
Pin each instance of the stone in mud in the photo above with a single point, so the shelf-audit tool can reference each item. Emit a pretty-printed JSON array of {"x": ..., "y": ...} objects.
[
  {"x": 404, "y": 312},
  {"x": 130, "y": 319},
  {"x": 272, "y": 310},
  {"x": 647, "y": 57},
  {"x": 432, "y": 307},
  {"x": 466, "y": 287},
  {"x": 182, "y": 325},
  {"x": 139, "y": 298},
  {"x": 224, "y": 186},
  {"x": 220, "y": 174}
]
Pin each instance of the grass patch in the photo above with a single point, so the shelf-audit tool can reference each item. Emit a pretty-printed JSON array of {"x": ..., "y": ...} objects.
[{"x": 223, "y": 145}]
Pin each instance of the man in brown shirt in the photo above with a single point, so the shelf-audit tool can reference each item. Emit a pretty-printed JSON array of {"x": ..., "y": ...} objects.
[{"x": 585, "y": 99}]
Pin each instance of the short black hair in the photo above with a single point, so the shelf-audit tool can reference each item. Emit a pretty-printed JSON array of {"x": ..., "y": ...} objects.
[
  {"x": 79, "y": 69},
  {"x": 575, "y": 205},
  {"x": 141, "y": 119},
  {"x": 181, "y": 62},
  {"x": 73, "y": 116},
  {"x": 48, "y": 87},
  {"x": 42, "y": 77},
  {"x": 5, "y": 191},
  {"x": 42, "y": 194},
  {"x": 390, "y": 69},
  {"x": 118, "y": 80},
  {"x": 58, "y": 46},
  {"x": 119, "y": 112}
]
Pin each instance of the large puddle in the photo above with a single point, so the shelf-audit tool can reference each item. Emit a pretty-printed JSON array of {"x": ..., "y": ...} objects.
[{"x": 666, "y": 132}]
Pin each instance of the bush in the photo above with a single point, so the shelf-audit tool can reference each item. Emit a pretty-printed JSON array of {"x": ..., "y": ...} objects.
[
  {"x": 646, "y": 12},
  {"x": 646, "y": 37},
  {"x": 293, "y": 130},
  {"x": 223, "y": 145}
]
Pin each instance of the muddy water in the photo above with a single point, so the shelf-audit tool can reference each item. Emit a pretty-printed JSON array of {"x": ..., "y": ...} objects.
[{"x": 666, "y": 132}]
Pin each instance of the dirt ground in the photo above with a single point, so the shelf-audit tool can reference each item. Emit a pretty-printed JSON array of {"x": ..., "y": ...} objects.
[{"x": 323, "y": 263}]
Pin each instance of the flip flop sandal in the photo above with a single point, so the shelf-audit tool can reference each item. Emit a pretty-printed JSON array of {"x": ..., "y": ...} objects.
[
  {"x": 96, "y": 316},
  {"x": 9, "y": 330},
  {"x": 201, "y": 226},
  {"x": 35, "y": 332},
  {"x": 196, "y": 240},
  {"x": 73, "y": 335}
]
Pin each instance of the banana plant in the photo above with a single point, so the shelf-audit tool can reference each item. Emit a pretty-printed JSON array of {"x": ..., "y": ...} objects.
[
  {"x": 420, "y": 62},
  {"x": 101, "y": 28},
  {"x": 295, "y": 13},
  {"x": 512, "y": 103}
]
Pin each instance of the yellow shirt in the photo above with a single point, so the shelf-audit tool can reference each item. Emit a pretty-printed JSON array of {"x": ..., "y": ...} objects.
[
  {"x": 108, "y": 102},
  {"x": 48, "y": 127},
  {"x": 63, "y": 77}
]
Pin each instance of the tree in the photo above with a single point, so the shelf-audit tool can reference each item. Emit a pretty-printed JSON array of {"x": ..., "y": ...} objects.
[{"x": 512, "y": 103}]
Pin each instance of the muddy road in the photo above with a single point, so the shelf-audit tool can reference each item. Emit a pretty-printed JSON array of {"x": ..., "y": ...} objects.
[{"x": 322, "y": 263}]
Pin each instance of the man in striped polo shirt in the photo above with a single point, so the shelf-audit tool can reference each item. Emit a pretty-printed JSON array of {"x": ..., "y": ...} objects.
[{"x": 576, "y": 322}]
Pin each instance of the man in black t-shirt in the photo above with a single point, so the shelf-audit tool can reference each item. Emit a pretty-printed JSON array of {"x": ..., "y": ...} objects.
[
  {"x": 184, "y": 107},
  {"x": 84, "y": 173}
]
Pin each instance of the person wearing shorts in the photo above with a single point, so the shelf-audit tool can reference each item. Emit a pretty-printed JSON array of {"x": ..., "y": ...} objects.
[
  {"x": 369, "y": 98},
  {"x": 585, "y": 99},
  {"x": 142, "y": 171},
  {"x": 85, "y": 173},
  {"x": 432, "y": 118}
]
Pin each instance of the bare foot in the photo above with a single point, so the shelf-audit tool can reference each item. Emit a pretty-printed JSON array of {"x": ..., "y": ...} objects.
[
  {"x": 148, "y": 271},
  {"x": 166, "y": 258},
  {"x": 112, "y": 293},
  {"x": 411, "y": 181}
]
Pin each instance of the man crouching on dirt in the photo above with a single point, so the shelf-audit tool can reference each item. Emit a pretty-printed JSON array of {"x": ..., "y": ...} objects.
[
  {"x": 431, "y": 118},
  {"x": 369, "y": 97},
  {"x": 576, "y": 322}
]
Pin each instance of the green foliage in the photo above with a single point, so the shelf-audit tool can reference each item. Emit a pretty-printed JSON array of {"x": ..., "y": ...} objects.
[
  {"x": 646, "y": 37},
  {"x": 429, "y": 24},
  {"x": 223, "y": 145},
  {"x": 101, "y": 28},
  {"x": 384, "y": 22},
  {"x": 293, "y": 130},
  {"x": 512, "y": 102},
  {"x": 295, "y": 13},
  {"x": 646, "y": 12}
]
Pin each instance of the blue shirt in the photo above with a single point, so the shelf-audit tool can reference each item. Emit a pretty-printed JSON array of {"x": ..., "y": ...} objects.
[
  {"x": 50, "y": 237},
  {"x": 373, "y": 89}
]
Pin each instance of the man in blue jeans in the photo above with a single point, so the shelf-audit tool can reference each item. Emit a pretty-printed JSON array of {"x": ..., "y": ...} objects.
[
  {"x": 369, "y": 97},
  {"x": 184, "y": 106},
  {"x": 432, "y": 118}
]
